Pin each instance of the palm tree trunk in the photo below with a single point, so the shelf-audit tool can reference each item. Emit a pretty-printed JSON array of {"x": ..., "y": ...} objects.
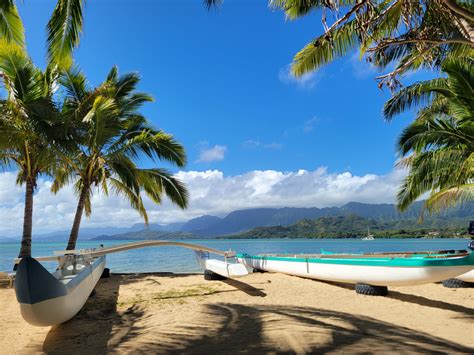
[
  {"x": 25, "y": 249},
  {"x": 71, "y": 244}
]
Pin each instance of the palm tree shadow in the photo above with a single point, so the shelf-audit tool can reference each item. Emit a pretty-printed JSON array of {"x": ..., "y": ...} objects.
[
  {"x": 91, "y": 330},
  {"x": 289, "y": 329},
  {"x": 225, "y": 327}
]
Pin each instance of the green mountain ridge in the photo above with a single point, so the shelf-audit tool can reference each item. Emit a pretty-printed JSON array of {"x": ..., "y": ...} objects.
[{"x": 354, "y": 226}]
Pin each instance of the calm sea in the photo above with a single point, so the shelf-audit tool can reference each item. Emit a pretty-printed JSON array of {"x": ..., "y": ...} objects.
[{"x": 174, "y": 259}]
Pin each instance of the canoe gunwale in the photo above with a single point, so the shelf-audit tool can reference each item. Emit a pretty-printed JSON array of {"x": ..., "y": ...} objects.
[
  {"x": 361, "y": 260},
  {"x": 86, "y": 271},
  {"x": 28, "y": 291}
]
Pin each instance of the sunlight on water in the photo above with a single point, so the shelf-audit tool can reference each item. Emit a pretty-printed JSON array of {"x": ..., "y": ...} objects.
[{"x": 174, "y": 259}]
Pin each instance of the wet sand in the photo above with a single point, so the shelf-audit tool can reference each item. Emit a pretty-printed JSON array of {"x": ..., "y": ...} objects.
[{"x": 270, "y": 313}]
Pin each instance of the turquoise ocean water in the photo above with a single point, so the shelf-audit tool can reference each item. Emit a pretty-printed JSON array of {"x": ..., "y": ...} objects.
[{"x": 174, "y": 259}]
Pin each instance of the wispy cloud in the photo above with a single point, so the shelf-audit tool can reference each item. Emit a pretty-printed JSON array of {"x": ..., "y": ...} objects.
[
  {"x": 211, "y": 154},
  {"x": 361, "y": 68},
  {"x": 252, "y": 144},
  {"x": 307, "y": 81},
  {"x": 309, "y": 125}
]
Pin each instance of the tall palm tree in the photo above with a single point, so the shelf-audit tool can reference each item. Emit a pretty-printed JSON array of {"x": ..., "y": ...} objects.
[
  {"x": 438, "y": 147},
  {"x": 29, "y": 122},
  {"x": 27, "y": 125},
  {"x": 112, "y": 136}
]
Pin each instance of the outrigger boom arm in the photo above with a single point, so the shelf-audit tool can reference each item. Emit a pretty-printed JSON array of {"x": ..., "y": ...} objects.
[{"x": 131, "y": 246}]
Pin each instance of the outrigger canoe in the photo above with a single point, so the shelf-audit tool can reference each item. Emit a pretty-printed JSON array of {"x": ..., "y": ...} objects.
[
  {"x": 52, "y": 298},
  {"x": 383, "y": 269}
]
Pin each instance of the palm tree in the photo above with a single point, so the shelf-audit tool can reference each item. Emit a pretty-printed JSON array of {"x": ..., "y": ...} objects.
[
  {"x": 438, "y": 147},
  {"x": 29, "y": 122},
  {"x": 112, "y": 136},
  {"x": 410, "y": 34},
  {"x": 64, "y": 29}
]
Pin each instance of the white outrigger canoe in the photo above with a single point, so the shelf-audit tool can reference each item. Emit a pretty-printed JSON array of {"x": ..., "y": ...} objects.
[
  {"x": 48, "y": 299},
  {"x": 52, "y": 298},
  {"x": 384, "y": 269}
]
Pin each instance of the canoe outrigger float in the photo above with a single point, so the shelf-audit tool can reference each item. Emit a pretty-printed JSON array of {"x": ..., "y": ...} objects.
[
  {"x": 48, "y": 299},
  {"x": 382, "y": 269}
]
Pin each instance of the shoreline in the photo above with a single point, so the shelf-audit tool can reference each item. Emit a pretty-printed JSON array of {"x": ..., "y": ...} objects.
[{"x": 263, "y": 312}]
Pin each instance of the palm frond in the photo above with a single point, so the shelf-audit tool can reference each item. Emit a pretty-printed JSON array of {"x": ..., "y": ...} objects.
[
  {"x": 11, "y": 27},
  {"x": 64, "y": 30},
  {"x": 325, "y": 49},
  {"x": 136, "y": 202},
  {"x": 157, "y": 181},
  {"x": 414, "y": 95}
]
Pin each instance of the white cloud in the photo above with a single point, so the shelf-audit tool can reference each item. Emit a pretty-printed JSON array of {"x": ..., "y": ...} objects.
[
  {"x": 306, "y": 81},
  {"x": 215, "y": 153},
  {"x": 211, "y": 193}
]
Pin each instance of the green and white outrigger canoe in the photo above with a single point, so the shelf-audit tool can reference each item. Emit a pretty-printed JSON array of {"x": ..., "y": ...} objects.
[{"x": 384, "y": 269}]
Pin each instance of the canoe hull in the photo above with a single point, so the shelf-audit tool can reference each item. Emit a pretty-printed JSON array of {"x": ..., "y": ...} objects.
[
  {"x": 40, "y": 310},
  {"x": 372, "y": 275},
  {"x": 222, "y": 268},
  {"x": 467, "y": 277}
]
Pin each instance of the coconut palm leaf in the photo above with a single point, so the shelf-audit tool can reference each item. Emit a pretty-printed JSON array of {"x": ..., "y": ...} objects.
[
  {"x": 11, "y": 27},
  {"x": 403, "y": 35},
  {"x": 325, "y": 49},
  {"x": 64, "y": 30}
]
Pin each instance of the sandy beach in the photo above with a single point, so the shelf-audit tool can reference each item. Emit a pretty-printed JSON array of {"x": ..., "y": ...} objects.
[{"x": 270, "y": 313}]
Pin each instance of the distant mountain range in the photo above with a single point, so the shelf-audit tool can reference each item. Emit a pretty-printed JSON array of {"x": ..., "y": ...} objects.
[
  {"x": 350, "y": 226},
  {"x": 241, "y": 221}
]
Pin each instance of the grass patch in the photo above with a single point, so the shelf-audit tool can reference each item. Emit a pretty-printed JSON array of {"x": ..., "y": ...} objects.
[{"x": 173, "y": 295}]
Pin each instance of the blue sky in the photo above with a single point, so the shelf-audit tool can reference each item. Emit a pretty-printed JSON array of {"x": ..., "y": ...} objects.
[{"x": 221, "y": 78}]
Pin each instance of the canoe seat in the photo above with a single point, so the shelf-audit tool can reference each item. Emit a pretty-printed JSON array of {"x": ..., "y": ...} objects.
[
  {"x": 66, "y": 279},
  {"x": 6, "y": 280}
]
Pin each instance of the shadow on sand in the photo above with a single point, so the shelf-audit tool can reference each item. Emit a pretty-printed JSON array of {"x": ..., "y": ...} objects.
[{"x": 230, "y": 327}]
